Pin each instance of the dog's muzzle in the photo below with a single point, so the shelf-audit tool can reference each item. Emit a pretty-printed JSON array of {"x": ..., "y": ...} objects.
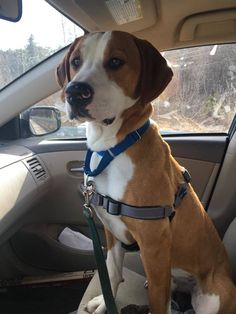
[{"x": 79, "y": 94}]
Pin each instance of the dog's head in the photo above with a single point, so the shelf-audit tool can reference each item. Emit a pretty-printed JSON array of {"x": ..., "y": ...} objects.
[{"x": 103, "y": 74}]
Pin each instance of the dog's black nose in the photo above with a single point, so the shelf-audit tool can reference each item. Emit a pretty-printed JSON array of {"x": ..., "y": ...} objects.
[{"x": 79, "y": 93}]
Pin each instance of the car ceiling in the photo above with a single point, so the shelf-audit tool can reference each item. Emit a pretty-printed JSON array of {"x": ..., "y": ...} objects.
[{"x": 167, "y": 24}]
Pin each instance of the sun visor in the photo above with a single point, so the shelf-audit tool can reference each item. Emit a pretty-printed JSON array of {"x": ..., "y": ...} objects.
[
  {"x": 209, "y": 27},
  {"x": 124, "y": 15}
]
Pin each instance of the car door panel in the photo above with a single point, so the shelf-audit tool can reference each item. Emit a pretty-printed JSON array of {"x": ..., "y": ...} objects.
[{"x": 200, "y": 155}]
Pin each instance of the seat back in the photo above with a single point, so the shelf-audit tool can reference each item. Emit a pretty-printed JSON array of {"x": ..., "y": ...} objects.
[
  {"x": 230, "y": 245},
  {"x": 222, "y": 204}
]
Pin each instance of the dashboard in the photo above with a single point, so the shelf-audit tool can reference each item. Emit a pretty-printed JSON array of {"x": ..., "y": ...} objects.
[{"x": 24, "y": 179}]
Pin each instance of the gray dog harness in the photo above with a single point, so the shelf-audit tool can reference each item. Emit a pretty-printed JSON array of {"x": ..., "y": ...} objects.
[
  {"x": 145, "y": 212},
  {"x": 117, "y": 208}
]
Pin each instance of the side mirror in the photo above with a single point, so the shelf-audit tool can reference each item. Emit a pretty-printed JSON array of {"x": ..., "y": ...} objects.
[
  {"x": 11, "y": 10},
  {"x": 44, "y": 120}
]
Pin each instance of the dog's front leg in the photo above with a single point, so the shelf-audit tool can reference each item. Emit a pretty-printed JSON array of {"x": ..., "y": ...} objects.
[
  {"x": 156, "y": 257},
  {"x": 115, "y": 257}
]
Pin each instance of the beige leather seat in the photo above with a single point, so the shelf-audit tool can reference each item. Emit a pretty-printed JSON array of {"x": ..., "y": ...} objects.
[
  {"x": 132, "y": 291},
  {"x": 230, "y": 245}
]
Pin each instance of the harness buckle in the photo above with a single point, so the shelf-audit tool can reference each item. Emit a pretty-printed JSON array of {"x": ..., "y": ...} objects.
[
  {"x": 111, "y": 206},
  {"x": 186, "y": 175},
  {"x": 167, "y": 211},
  {"x": 182, "y": 191}
]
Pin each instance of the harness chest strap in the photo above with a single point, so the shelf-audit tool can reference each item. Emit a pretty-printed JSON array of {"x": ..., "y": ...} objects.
[
  {"x": 146, "y": 213},
  {"x": 116, "y": 208}
]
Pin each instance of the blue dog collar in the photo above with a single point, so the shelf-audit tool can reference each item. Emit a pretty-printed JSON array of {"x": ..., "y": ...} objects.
[{"x": 110, "y": 154}]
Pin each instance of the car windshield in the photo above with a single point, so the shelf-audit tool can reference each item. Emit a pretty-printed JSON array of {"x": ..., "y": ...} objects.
[{"x": 41, "y": 32}]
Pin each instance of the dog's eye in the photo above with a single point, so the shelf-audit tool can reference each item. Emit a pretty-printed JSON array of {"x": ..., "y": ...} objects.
[
  {"x": 115, "y": 63},
  {"x": 76, "y": 62}
]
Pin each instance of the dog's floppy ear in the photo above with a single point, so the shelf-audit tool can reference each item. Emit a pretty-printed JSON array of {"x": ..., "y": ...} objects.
[
  {"x": 155, "y": 73},
  {"x": 63, "y": 69}
]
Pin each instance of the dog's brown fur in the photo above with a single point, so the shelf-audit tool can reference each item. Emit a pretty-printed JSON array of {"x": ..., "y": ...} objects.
[{"x": 190, "y": 241}]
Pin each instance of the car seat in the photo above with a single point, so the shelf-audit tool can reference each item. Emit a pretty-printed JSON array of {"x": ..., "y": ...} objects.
[{"x": 132, "y": 290}]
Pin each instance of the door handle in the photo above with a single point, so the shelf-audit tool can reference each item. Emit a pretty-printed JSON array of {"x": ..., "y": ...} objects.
[{"x": 77, "y": 169}]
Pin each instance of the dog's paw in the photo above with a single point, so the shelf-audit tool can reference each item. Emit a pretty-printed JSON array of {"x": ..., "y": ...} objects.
[{"x": 96, "y": 305}]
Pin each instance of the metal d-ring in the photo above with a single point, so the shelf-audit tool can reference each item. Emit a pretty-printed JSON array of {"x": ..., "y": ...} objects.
[{"x": 90, "y": 187}]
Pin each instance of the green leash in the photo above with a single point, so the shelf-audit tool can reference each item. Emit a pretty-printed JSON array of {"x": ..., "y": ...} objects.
[{"x": 100, "y": 259}]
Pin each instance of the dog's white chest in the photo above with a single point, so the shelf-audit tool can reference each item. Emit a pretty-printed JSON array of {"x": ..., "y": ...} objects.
[
  {"x": 113, "y": 182},
  {"x": 114, "y": 179}
]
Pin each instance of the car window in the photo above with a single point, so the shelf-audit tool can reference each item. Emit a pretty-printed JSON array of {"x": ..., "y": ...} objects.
[
  {"x": 199, "y": 99},
  {"x": 201, "y": 96},
  {"x": 41, "y": 32}
]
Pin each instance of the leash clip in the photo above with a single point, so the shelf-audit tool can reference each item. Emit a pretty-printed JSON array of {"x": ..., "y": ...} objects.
[{"x": 88, "y": 191}]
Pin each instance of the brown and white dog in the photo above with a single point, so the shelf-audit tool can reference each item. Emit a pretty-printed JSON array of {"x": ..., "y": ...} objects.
[{"x": 109, "y": 80}]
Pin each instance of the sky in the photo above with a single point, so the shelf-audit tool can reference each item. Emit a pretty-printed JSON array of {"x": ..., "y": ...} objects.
[{"x": 44, "y": 22}]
